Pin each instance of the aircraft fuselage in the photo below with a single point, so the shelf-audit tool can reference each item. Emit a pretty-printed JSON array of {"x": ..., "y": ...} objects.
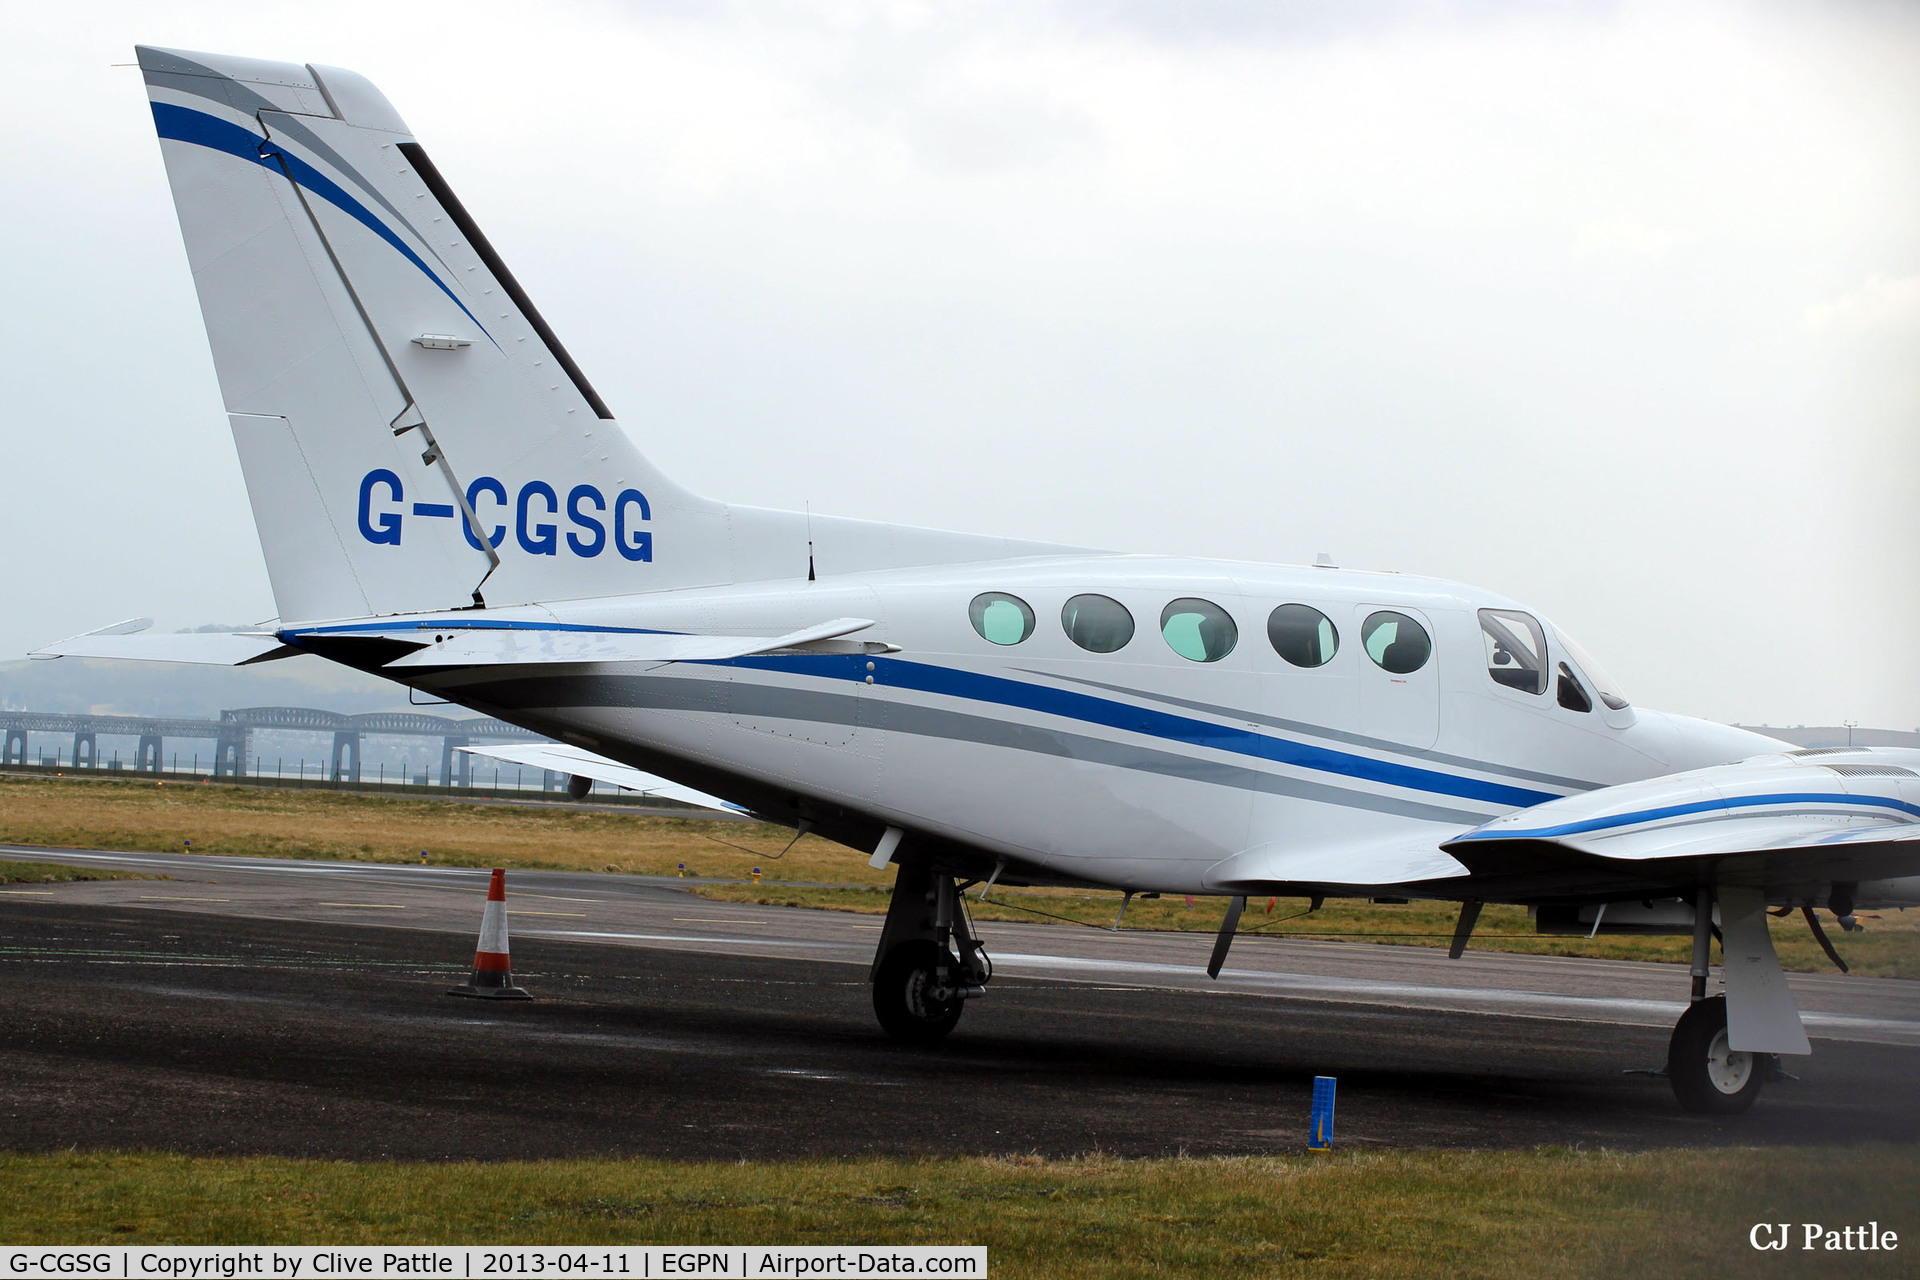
[{"x": 1138, "y": 767}]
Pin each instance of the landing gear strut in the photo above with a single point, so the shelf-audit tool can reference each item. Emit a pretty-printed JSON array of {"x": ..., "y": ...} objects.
[
  {"x": 919, "y": 985},
  {"x": 1709, "y": 1077}
]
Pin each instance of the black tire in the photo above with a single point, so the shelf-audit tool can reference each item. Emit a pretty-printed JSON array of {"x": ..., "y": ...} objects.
[
  {"x": 901, "y": 994},
  {"x": 1707, "y": 1077}
]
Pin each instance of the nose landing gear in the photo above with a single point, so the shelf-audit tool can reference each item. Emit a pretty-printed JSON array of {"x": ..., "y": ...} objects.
[{"x": 920, "y": 986}]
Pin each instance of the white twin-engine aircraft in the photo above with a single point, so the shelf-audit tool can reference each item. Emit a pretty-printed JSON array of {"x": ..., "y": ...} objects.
[{"x": 443, "y": 500}]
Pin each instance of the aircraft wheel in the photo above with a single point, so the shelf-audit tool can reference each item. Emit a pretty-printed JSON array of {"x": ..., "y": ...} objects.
[
  {"x": 1707, "y": 1076},
  {"x": 906, "y": 993}
]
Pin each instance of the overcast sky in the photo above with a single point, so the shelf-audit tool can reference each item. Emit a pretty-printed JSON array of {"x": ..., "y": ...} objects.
[{"x": 1611, "y": 308}]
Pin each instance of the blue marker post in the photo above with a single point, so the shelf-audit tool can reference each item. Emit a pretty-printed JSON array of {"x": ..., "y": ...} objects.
[{"x": 1320, "y": 1125}]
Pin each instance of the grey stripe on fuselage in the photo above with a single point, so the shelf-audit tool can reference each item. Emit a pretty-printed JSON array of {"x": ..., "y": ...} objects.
[
  {"x": 241, "y": 98},
  {"x": 1332, "y": 735},
  {"x": 781, "y": 702}
]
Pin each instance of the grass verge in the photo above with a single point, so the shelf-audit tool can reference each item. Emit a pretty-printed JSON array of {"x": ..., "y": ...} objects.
[
  {"x": 160, "y": 817},
  {"x": 1535, "y": 1214},
  {"x": 1889, "y": 948},
  {"x": 254, "y": 821}
]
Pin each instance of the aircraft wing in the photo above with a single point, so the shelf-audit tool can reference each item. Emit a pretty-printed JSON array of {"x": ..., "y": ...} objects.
[
  {"x": 576, "y": 762},
  {"x": 500, "y": 647},
  {"x": 1776, "y": 823},
  {"x": 209, "y": 648},
  {"x": 1784, "y": 824}
]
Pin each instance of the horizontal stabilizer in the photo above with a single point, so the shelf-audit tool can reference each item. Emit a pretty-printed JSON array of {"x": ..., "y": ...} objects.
[
  {"x": 575, "y": 762},
  {"x": 1399, "y": 862},
  {"x": 129, "y": 640},
  {"x": 482, "y": 647}
]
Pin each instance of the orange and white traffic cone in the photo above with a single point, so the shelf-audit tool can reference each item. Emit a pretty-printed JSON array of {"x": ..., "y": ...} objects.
[{"x": 492, "y": 973}]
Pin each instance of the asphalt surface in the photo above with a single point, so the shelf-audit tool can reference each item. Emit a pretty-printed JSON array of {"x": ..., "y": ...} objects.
[{"x": 248, "y": 1005}]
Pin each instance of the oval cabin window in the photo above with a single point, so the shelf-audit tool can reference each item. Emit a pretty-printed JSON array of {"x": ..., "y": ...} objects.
[
  {"x": 1198, "y": 630},
  {"x": 1000, "y": 618},
  {"x": 1396, "y": 643},
  {"x": 1302, "y": 635},
  {"x": 1098, "y": 624}
]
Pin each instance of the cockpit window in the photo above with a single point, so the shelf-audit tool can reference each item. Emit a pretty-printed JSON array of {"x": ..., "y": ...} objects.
[
  {"x": 1099, "y": 624},
  {"x": 1516, "y": 649},
  {"x": 1000, "y": 618},
  {"x": 1396, "y": 643},
  {"x": 1569, "y": 693},
  {"x": 1602, "y": 683}
]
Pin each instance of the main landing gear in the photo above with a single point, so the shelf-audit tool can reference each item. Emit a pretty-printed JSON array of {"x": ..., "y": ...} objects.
[
  {"x": 920, "y": 985},
  {"x": 1708, "y": 1075}
]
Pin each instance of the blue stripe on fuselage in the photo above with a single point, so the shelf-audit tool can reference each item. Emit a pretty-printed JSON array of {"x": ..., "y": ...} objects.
[
  {"x": 949, "y": 682},
  {"x": 976, "y": 687},
  {"x": 202, "y": 130}
]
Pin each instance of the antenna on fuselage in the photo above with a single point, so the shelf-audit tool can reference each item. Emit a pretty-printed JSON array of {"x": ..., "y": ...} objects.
[{"x": 810, "y": 574}]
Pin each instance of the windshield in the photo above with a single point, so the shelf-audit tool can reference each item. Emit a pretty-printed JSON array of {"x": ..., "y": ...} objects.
[{"x": 1603, "y": 684}]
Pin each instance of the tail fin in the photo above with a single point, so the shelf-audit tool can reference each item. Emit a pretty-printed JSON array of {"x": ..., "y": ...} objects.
[
  {"x": 412, "y": 434},
  {"x": 406, "y": 421}
]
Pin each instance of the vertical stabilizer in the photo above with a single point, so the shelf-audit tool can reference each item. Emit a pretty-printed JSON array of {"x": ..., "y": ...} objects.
[
  {"x": 414, "y": 437},
  {"x": 412, "y": 433}
]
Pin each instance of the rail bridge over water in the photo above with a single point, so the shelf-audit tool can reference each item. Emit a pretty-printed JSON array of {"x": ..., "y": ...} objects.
[{"x": 232, "y": 736}]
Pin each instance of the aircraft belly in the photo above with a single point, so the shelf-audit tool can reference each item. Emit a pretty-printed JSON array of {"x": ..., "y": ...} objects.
[{"x": 1085, "y": 817}]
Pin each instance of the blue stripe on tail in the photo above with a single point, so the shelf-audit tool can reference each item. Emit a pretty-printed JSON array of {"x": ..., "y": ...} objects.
[{"x": 202, "y": 130}]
